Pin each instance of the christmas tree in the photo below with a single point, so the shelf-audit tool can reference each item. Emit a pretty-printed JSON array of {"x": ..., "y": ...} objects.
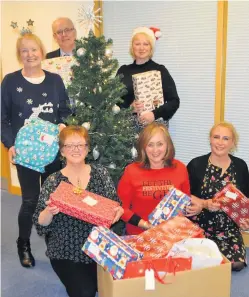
[{"x": 97, "y": 92}]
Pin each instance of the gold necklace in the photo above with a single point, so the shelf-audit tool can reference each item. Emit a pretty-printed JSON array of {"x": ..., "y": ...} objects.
[{"x": 78, "y": 190}]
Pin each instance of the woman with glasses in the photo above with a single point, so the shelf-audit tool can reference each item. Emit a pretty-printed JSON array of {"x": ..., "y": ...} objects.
[
  {"x": 30, "y": 92},
  {"x": 64, "y": 34},
  {"x": 66, "y": 235},
  {"x": 146, "y": 181},
  {"x": 208, "y": 174}
]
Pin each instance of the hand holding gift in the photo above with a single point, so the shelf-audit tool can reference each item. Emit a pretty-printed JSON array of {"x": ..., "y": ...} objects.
[
  {"x": 119, "y": 212},
  {"x": 212, "y": 206},
  {"x": 46, "y": 216},
  {"x": 195, "y": 207},
  {"x": 234, "y": 203},
  {"x": 12, "y": 154},
  {"x": 245, "y": 225},
  {"x": 51, "y": 209},
  {"x": 146, "y": 117},
  {"x": 137, "y": 106}
]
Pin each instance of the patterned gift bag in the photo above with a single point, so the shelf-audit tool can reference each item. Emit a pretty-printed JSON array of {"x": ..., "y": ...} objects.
[
  {"x": 157, "y": 241},
  {"x": 170, "y": 206},
  {"x": 110, "y": 251},
  {"x": 234, "y": 203},
  {"x": 36, "y": 144}
]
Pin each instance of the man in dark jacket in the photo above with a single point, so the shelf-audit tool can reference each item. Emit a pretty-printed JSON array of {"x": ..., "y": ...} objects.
[{"x": 64, "y": 34}]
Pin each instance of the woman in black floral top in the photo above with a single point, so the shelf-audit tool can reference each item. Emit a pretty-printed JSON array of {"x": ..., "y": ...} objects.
[
  {"x": 208, "y": 174},
  {"x": 66, "y": 235}
]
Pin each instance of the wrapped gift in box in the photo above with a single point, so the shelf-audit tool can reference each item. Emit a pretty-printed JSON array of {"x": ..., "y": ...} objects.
[
  {"x": 170, "y": 206},
  {"x": 84, "y": 205},
  {"x": 160, "y": 266},
  {"x": 36, "y": 142},
  {"x": 234, "y": 203},
  {"x": 148, "y": 89},
  {"x": 157, "y": 241},
  {"x": 110, "y": 251}
]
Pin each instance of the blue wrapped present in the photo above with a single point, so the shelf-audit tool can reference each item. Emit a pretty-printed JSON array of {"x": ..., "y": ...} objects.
[
  {"x": 173, "y": 203},
  {"x": 110, "y": 251},
  {"x": 36, "y": 144}
]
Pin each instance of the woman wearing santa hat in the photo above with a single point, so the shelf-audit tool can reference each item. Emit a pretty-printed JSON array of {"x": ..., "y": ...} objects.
[{"x": 141, "y": 49}]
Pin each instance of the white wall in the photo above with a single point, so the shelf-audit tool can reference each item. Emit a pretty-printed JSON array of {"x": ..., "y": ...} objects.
[{"x": 42, "y": 13}]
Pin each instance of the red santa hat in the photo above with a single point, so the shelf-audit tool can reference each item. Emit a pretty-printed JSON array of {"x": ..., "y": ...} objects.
[{"x": 153, "y": 32}]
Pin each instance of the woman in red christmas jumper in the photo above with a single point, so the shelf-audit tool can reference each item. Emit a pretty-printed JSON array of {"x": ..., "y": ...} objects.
[
  {"x": 142, "y": 48},
  {"x": 146, "y": 181}
]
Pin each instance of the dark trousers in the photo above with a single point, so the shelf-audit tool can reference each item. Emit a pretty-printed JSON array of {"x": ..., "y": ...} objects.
[
  {"x": 30, "y": 186},
  {"x": 79, "y": 279}
]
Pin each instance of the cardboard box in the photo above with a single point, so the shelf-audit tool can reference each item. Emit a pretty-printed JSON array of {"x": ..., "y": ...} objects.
[
  {"x": 206, "y": 282},
  {"x": 245, "y": 235}
]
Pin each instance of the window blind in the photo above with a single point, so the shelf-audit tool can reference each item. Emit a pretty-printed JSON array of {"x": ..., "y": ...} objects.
[{"x": 237, "y": 83}]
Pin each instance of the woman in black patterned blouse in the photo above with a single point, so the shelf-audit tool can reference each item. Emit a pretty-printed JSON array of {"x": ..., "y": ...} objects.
[
  {"x": 208, "y": 174},
  {"x": 65, "y": 234}
]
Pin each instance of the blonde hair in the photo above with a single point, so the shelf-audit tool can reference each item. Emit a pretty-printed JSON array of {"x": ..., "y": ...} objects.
[
  {"x": 73, "y": 130},
  {"x": 230, "y": 126},
  {"x": 144, "y": 137},
  {"x": 150, "y": 41},
  {"x": 29, "y": 36}
]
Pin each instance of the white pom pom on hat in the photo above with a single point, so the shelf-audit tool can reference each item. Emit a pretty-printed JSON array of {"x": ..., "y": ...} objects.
[{"x": 153, "y": 32}]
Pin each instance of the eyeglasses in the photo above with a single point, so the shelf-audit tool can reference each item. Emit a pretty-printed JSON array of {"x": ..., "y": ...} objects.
[
  {"x": 65, "y": 31},
  {"x": 80, "y": 146}
]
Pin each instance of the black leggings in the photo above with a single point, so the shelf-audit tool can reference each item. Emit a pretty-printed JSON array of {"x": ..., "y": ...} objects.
[
  {"x": 30, "y": 186},
  {"x": 79, "y": 279}
]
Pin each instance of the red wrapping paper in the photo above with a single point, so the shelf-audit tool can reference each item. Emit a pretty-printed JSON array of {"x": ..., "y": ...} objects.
[
  {"x": 234, "y": 203},
  {"x": 157, "y": 241},
  {"x": 168, "y": 265},
  {"x": 87, "y": 206}
]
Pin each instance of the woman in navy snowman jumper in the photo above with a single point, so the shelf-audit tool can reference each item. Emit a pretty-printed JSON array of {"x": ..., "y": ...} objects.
[{"x": 27, "y": 93}]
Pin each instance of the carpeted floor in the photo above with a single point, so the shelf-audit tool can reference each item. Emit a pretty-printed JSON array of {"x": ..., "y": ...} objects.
[{"x": 41, "y": 281}]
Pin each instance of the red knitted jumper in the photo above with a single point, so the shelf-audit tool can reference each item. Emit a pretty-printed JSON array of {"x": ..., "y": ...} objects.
[{"x": 142, "y": 189}]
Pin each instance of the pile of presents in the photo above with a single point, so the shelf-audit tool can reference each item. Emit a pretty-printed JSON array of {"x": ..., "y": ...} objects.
[{"x": 173, "y": 244}]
